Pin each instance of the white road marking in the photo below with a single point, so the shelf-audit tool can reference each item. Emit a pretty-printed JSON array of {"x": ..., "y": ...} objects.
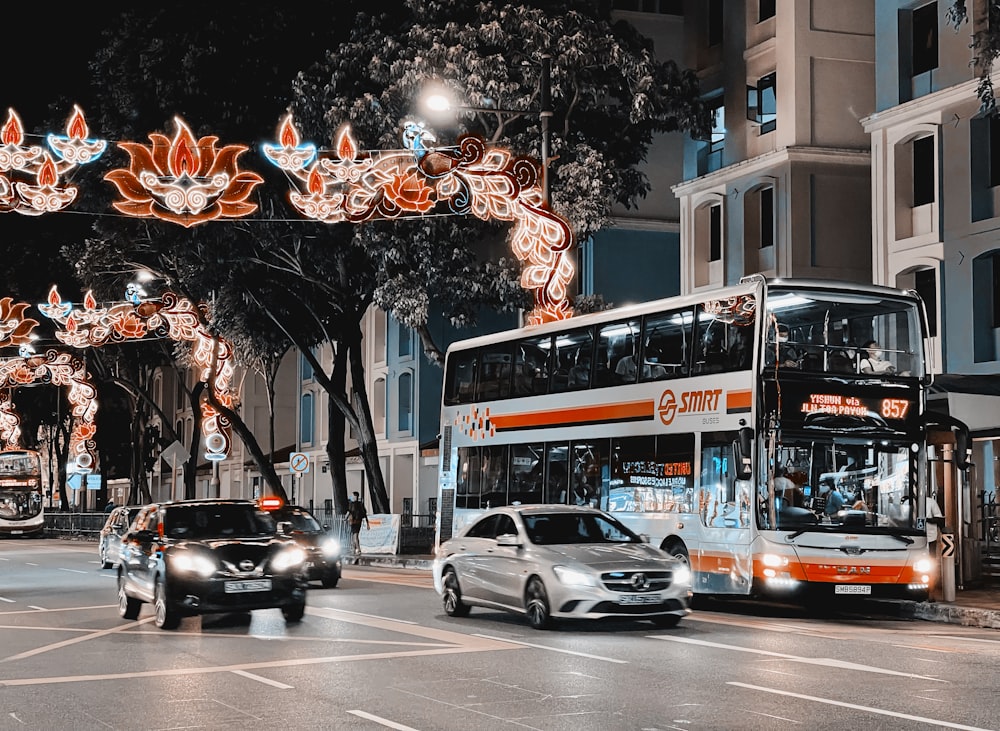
[
  {"x": 382, "y": 721},
  {"x": 554, "y": 649},
  {"x": 376, "y": 616},
  {"x": 31, "y": 564},
  {"x": 5, "y": 599},
  {"x": 768, "y": 715},
  {"x": 61, "y": 609},
  {"x": 869, "y": 709},
  {"x": 75, "y": 571},
  {"x": 824, "y": 661},
  {"x": 40, "y": 609},
  {"x": 75, "y": 640},
  {"x": 260, "y": 679}
]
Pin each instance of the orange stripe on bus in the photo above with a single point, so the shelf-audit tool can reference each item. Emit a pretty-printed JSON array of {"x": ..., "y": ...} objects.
[
  {"x": 578, "y": 415},
  {"x": 738, "y": 400}
]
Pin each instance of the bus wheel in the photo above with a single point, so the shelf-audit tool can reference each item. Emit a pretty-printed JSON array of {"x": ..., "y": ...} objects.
[{"x": 679, "y": 551}]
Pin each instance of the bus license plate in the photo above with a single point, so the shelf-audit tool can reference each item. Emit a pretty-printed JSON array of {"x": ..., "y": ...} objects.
[
  {"x": 852, "y": 589},
  {"x": 640, "y": 599},
  {"x": 240, "y": 587}
]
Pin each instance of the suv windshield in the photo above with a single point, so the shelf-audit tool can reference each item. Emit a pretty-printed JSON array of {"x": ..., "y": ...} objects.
[{"x": 216, "y": 521}]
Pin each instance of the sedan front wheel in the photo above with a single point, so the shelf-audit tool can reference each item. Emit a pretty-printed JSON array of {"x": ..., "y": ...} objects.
[
  {"x": 536, "y": 605},
  {"x": 452, "y": 598}
]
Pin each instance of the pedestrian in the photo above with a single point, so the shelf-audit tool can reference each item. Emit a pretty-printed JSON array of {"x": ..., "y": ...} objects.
[
  {"x": 110, "y": 506},
  {"x": 356, "y": 515}
]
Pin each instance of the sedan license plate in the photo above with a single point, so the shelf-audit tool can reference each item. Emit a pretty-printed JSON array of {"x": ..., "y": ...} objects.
[
  {"x": 640, "y": 599},
  {"x": 240, "y": 587},
  {"x": 852, "y": 589}
]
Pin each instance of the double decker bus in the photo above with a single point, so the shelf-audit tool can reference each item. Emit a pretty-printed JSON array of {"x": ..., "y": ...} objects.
[
  {"x": 741, "y": 430},
  {"x": 21, "y": 505}
]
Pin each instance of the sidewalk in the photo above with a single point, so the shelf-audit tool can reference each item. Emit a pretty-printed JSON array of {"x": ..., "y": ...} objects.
[{"x": 978, "y": 607}]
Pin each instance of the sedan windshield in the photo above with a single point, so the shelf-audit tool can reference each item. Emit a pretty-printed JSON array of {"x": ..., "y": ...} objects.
[{"x": 557, "y": 528}]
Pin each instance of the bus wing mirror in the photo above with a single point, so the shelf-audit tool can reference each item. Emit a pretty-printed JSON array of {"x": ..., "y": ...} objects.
[
  {"x": 961, "y": 456},
  {"x": 742, "y": 453}
]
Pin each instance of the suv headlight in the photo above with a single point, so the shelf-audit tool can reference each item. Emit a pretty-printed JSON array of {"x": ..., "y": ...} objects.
[
  {"x": 573, "y": 577},
  {"x": 682, "y": 575},
  {"x": 194, "y": 563},
  {"x": 287, "y": 558},
  {"x": 330, "y": 547}
]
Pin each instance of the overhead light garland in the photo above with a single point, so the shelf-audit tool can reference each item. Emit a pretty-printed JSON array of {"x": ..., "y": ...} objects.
[
  {"x": 10, "y": 422},
  {"x": 30, "y": 175},
  {"x": 472, "y": 178},
  {"x": 170, "y": 316},
  {"x": 61, "y": 369}
]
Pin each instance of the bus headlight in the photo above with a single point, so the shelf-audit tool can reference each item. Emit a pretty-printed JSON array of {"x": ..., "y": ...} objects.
[
  {"x": 573, "y": 577},
  {"x": 923, "y": 565},
  {"x": 774, "y": 560}
]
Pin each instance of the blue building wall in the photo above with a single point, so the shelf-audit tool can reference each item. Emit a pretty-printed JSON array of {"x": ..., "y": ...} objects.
[{"x": 629, "y": 266}]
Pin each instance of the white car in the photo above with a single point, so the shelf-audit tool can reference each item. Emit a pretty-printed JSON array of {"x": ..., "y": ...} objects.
[{"x": 559, "y": 561}]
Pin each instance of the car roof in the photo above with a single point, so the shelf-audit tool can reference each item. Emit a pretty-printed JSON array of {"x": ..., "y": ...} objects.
[{"x": 543, "y": 508}]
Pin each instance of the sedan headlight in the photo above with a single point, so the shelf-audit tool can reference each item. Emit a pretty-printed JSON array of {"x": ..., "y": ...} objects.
[
  {"x": 330, "y": 547},
  {"x": 288, "y": 558},
  {"x": 682, "y": 575},
  {"x": 194, "y": 563},
  {"x": 573, "y": 577}
]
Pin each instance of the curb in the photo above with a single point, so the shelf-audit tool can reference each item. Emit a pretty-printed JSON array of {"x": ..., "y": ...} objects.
[{"x": 951, "y": 614}]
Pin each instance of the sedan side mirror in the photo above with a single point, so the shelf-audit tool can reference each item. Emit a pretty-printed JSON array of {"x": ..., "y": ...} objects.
[
  {"x": 508, "y": 539},
  {"x": 285, "y": 527}
]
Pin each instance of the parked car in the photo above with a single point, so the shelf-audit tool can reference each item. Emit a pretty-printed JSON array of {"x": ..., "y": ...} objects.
[
  {"x": 323, "y": 550},
  {"x": 116, "y": 525},
  {"x": 209, "y": 556},
  {"x": 559, "y": 561}
]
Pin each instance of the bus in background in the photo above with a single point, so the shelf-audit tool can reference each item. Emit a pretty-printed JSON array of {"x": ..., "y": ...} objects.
[
  {"x": 741, "y": 429},
  {"x": 21, "y": 506}
]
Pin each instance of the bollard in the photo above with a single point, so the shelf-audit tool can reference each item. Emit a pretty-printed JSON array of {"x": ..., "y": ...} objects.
[{"x": 946, "y": 558}]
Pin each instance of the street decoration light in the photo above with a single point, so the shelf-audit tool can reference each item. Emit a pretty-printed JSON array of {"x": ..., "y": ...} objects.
[
  {"x": 30, "y": 174},
  {"x": 438, "y": 101},
  {"x": 10, "y": 422},
  {"x": 184, "y": 180},
  {"x": 61, "y": 369},
  {"x": 170, "y": 316},
  {"x": 471, "y": 178}
]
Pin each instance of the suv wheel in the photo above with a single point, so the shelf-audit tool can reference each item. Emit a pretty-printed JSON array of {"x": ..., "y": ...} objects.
[
  {"x": 166, "y": 616},
  {"x": 128, "y": 607},
  {"x": 330, "y": 579},
  {"x": 294, "y": 612},
  {"x": 105, "y": 564}
]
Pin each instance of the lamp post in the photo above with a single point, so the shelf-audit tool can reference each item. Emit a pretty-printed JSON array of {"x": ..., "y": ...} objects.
[{"x": 440, "y": 102}]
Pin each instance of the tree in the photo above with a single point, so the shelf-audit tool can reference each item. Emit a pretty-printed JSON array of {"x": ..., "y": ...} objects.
[{"x": 985, "y": 46}]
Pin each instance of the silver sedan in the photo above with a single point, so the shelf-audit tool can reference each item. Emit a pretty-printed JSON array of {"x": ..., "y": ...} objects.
[{"x": 559, "y": 561}]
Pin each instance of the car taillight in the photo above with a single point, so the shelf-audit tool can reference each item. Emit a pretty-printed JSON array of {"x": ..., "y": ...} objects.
[{"x": 272, "y": 502}]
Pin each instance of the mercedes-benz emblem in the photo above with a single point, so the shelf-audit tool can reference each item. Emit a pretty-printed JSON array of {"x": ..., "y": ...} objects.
[
  {"x": 640, "y": 582},
  {"x": 246, "y": 565}
]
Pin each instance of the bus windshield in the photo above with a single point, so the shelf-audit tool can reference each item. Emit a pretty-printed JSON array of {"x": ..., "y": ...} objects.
[
  {"x": 835, "y": 483},
  {"x": 843, "y": 332}
]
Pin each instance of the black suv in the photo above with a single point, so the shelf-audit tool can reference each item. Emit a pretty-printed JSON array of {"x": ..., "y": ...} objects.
[
  {"x": 323, "y": 550},
  {"x": 209, "y": 556}
]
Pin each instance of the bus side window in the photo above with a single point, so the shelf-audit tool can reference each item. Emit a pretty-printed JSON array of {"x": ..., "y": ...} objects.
[{"x": 460, "y": 377}]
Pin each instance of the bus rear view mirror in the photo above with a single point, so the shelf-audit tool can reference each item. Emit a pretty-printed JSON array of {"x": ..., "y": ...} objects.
[
  {"x": 961, "y": 456},
  {"x": 743, "y": 452}
]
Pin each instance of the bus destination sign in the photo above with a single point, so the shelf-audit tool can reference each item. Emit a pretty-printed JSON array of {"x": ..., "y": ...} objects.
[{"x": 838, "y": 404}]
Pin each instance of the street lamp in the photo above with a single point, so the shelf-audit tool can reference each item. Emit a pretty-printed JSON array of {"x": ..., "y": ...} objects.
[{"x": 440, "y": 102}]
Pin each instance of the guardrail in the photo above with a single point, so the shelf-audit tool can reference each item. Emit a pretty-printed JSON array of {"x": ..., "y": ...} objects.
[{"x": 74, "y": 524}]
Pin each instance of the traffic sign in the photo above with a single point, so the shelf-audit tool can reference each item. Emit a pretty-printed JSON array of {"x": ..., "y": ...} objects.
[
  {"x": 947, "y": 545},
  {"x": 78, "y": 480},
  {"x": 298, "y": 463}
]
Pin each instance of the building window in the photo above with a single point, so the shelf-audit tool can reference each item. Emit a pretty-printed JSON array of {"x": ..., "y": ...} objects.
[
  {"x": 925, "y": 283},
  {"x": 307, "y": 369},
  {"x": 306, "y": 419},
  {"x": 765, "y": 10},
  {"x": 179, "y": 429},
  {"x": 925, "y": 38},
  {"x": 715, "y": 233},
  {"x": 405, "y": 402},
  {"x": 986, "y": 306},
  {"x": 762, "y": 103},
  {"x": 715, "y": 22},
  {"x": 378, "y": 330},
  {"x": 766, "y": 217},
  {"x": 378, "y": 417},
  {"x": 405, "y": 340},
  {"x": 923, "y": 171},
  {"x": 994, "y": 122}
]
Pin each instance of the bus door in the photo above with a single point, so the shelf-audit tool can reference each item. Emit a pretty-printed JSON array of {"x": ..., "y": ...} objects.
[{"x": 722, "y": 562}]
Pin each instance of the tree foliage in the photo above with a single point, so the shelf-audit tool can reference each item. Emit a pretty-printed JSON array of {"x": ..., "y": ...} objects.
[{"x": 985, "y": 46}]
